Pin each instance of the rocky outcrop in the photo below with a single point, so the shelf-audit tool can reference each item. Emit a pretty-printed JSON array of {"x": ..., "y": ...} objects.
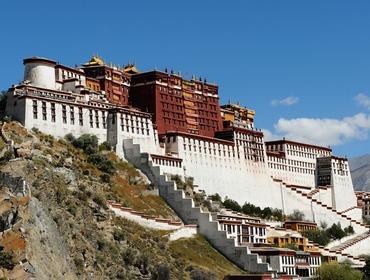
[{"x": 46, "y": 246}]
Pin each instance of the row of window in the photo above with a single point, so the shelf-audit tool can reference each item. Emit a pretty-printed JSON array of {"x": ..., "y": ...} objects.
[
  {"x": 167, "y": 162},
  {"x": 209, "y": 150},
  {"x": 289, "y": 270},
  {"x": 249, "y": 137},
  {"x": 340, "y": 165},
  {"x": 209, "y": 103},
  {"x": 96, "y": 120},
  {"x": 287, "y": 260},
  {"x": 67, "y": 114},
  {"x": 243, "y": 229},
  {"x": 314, "y": 260},
  {"x": 140, "y": 126},
  {"x": 301, "y": 154},
  {"x": 291, "y": 162},
  {"x": 291, "y": 169}
]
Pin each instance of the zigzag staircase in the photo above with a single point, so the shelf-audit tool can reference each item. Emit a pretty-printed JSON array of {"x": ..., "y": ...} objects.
[
  {"x": 338, "y": 250},
  {"x": 324, "y": 206},
  {"x": 190, "y": 214}
]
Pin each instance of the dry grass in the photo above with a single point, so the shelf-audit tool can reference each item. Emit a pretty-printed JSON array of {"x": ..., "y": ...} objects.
[
  {"x": 132, "y": 196},
  {"x": 198, "y": 252}
]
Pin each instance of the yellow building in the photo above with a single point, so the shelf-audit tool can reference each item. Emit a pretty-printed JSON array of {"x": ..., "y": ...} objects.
[
  {"x": 283, "y": 238},
  {"x": 92, "y": 84},
  {"x": 300, "y": 226},
  {"x": 237, "y": 115}
]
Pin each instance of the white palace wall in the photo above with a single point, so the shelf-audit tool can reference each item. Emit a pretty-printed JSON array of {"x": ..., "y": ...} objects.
[
  {"x": 217, "y": 166},
  {"x": 343, "y": 192},
  {"x": 220, "y": 170},
  {"x": 59, "y": 125}
]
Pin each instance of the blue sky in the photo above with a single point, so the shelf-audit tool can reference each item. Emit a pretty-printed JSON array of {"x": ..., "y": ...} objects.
[{"x": 304, "y": 66}]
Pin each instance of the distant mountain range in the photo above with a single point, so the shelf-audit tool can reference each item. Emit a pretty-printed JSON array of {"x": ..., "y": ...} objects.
[{"x": 360, "y": 171}]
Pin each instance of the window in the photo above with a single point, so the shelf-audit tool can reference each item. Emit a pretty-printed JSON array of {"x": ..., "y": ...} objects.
[
  {"x": 44, "y": 116},
  {"x": 72, "y": 114},
  {"x": 34, "y": 109},
  {"x": 104, "y": 120},
  {"x": 64, "y": 113},
  {"x": 80, "y": 116},
  {"x": 97, "y": 118},
  {"x": 53, "y": 112},
  {"x": 91, "y": 118}
]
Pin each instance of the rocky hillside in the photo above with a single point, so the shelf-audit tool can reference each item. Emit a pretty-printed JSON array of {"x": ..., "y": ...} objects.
[
  {"x": 55, "y": 223},
  {"x": 360, "y": 171}
]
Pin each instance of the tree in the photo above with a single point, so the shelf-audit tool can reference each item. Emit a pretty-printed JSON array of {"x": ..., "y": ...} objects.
[
  {"x": 216, "y": 197},
  {"x": 232, "y": 205},
  {"x": 336, "y": 231},
  {"x": 296, "y": 216},
  {"x": 266, "y": 213},
  {"x": 336, "y": 271},
  {"x": 349, "y": 230},
  {"x": 366, "y": 269},
  {"x": 318, "y": 236}
]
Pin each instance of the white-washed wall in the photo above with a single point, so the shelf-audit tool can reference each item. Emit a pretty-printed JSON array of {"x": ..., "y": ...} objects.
[
  {"x": 291, "y": 171},
  {"x": 344, "y": 194},
  {"x": 325, "y": 196},
  {"x": 359, "y": 248},
  {"x": 64, "y": 123}
]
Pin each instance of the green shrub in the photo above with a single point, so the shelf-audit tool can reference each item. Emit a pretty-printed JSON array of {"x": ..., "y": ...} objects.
[
  {"x": 7, "y": 259},
  {"x": 105, "y": 178},
  {"x": 70, "y": 138},
  {"x": 87, "y": 142},
  {"x": 105, "y": 146},
  {"x": 79, "y": 263},
  {"x": 102, "y": 163},
  {"x": 118, "y": 234},
  {"x": 162, "y": 272},
  {"x": 35, "y": 130},
  {"x": 8, "y": 155},
  {"x": 336, "y": 271},
  {"x": 99, "y": 200},
  {"x": 72, "y": 209}
]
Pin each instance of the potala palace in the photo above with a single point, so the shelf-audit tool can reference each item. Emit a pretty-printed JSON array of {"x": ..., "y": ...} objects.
[{"x": 167, "y": 125}]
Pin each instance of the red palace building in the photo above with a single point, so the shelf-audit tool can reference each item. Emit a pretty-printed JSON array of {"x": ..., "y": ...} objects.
[
  {"x": 113, "y": 80},
  {"x": 177, "y": 104}
]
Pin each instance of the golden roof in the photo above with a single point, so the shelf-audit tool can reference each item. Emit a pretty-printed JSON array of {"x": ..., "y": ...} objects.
[
  {"x": 131, "y": 69},
  {"x": 96, "y": 60}
]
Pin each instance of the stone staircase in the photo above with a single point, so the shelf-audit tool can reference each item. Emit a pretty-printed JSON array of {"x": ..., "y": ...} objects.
[
  {"x": 325, "y": 206},
  {"x": 348, "y": 243},
  {"x": 349, "y": 209},
  {"x": 364, "y": 234},
  {"x": 190, "y": 214},
  {"x": 356, "y": 261}
]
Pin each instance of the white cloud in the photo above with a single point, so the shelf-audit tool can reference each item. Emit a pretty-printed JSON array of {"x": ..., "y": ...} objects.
[
  {"x": 322, "y": 131},
  {"x": 363, "y": 100},
  {"x": 288, "y": 101},
  {"x": 269, "y": 136}
]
